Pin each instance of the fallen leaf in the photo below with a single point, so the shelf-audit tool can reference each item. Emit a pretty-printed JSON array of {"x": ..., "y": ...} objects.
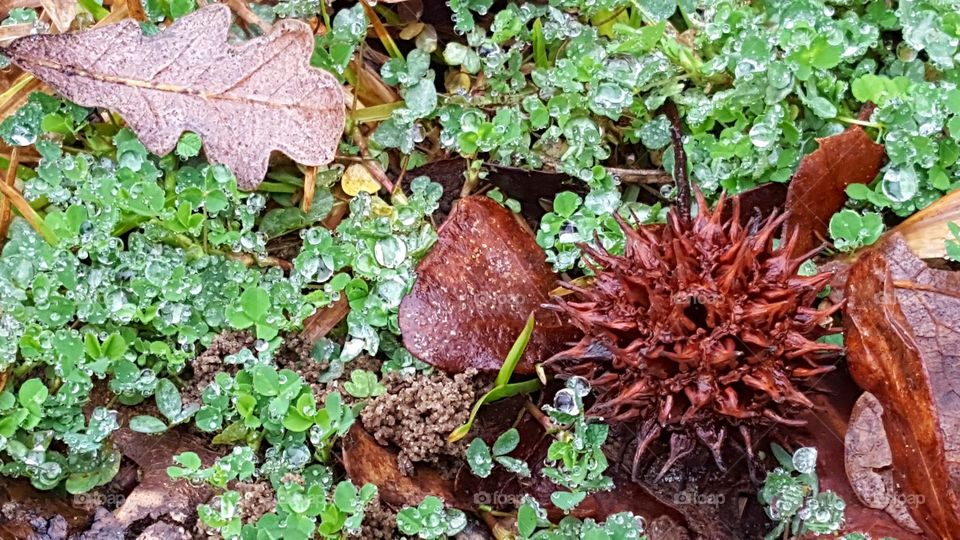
[
  {"x": 530, "y": 187},
  {"x": 245, "y": 100},
  {"x": 449, "y": 173},
  {"x": 15, "y": 31},
  {"x": 828, "y": 426},
  {"x": 61, "y": 12},
  {"x": 357, "y": 178},
  {"x": 474, "y": 291},
  {"x": 324, "y": 320},
  {"x": 903, "y": 343},
  {"x": 761, "y": 201},
  {"x": 927, "y": 231},
  {"x": 868, "y": 459},
  {"x": 817, "y": 189},
  {"x": 157, "y": 494},
  {"x": 22, "y": 503},
  {"x": 366, "y": 461}
]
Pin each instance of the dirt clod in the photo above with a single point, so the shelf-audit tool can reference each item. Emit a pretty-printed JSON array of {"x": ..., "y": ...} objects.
[
  {"x": 256, "y": 499},
  {"x": 418, "y": 412},
  {"x": 379, "y": 521},
  {"x": 210, "y": 362}
]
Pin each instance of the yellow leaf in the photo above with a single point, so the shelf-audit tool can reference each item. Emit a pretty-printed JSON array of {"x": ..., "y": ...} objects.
[{"x": 356, "y": 179}]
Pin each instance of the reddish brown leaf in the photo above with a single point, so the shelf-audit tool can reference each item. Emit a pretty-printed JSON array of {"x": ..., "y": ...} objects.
[
  {"x": 245, "y": 101},
  {"x": 829, "y": 425},
  {"x": 816, "y": 191},
  {"x": 868, "y": 461},
  {"x": 366, "y": 461},
  {"x": 903, "y": 338},
  {"x": 324, "y": 320},
  {"x": 157, "y": 494},
  {"x": 474, "y": 291}
]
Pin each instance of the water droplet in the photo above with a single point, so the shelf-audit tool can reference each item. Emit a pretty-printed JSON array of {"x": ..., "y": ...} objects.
[
  {"x": 805, "y": 460},
  {"x": 900, "y": 184},
  {"x": 566, "y": 402}
]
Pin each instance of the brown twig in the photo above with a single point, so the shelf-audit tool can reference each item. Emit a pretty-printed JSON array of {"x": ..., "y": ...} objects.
[
  {"x": 10, "y": 194},
  {"x": 679, "y": 161},
  {"x": 247, "y": 15},
  {"x": 640, "y": 176},
  {"x": 136, "y": 10},
  {"x": 6, "y": 212},
  {"x": 309, "y": 188},
  {"x": 538, "y": 415}
]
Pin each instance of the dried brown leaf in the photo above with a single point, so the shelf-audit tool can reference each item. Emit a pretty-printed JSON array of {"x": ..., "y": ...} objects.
[
  {"x": 474, "y": 291},
  {"x": 927, "y": 231},
  {"x": 245, "y": 100},
  {"x": 829, "y": 425},
  {"x": 903, "y": 343},
  {"x": 868, "y": 459},
  {"x": 816, "y": 191},
  {"x": 157, "y": 494},
  {"x": 61, "y": 12},
  {"x": 366, "y": 461}
]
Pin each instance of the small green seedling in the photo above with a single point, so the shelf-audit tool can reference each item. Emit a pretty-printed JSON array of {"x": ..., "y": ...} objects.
[
  {"x": 481, "y": 459},
  {"x": 502, "y": 388}
]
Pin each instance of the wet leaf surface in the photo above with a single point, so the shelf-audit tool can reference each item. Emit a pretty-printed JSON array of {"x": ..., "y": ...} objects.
[
  {"x": 474, "y": 291},
  {"x": 189, "y": 78},
  {"x": 157, "y": 495},
  {"x": 868, "y": 462},
  {"x": 903, "y": 339},
  {"x": 816, "y": 191},
  {"x": 828, "y": 428},
  {"x": 366, "y": 461}
]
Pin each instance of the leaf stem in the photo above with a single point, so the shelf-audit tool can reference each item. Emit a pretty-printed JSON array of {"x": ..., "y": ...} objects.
[
  {"x": 6, "y": 214},
  {"x": 857, "y": 121},
  {"x": 382, "y": 32}
]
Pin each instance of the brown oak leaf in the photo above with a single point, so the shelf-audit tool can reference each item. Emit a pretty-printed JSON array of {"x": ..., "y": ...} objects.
[
  {"x": 816, "y": 191},
  {"x": 474, "y": 291},
  {"x": 244, "y": 100},
  {"x": 903, "y": 343}
]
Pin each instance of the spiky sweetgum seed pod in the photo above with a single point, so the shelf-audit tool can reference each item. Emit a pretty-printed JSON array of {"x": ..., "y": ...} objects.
[{"x": 700, "y": 326}]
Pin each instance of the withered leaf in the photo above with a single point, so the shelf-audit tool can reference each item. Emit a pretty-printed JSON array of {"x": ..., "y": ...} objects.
[
  {"x": 867, "y": 459},
  {"x": 61, "y": 13},
  {"x": 829, "y": 425},
  {"x": 474, "y": 291},
  {"x": 816, "y": 191},
  {"x": 903, "y": 340},
  {"x": 244, "y": 100},
  {"x": 927, "y": 231},
  {"x": 366, "y": 461},
  {"x": 157, "y": 494}
]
